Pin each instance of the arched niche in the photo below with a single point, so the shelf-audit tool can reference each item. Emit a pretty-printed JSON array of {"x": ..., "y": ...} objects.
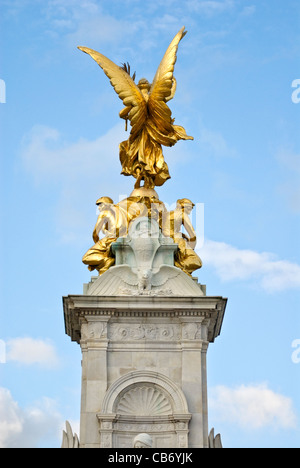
[{"x": 144, "y": 401}]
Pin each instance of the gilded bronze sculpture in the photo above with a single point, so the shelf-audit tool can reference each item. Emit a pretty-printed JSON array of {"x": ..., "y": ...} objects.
[
  {"x": 141, "y": 157},
  {"x": 146, "y": 107}
]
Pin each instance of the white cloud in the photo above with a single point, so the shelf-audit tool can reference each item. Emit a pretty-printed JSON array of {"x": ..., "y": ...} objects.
[
  {"x": 87, "y": 23},
  {"x": 49, "y": 157},
  {"x": 99, "y": 30},
  {"x": 78, "y": 170},
  {"x": 252, "y": 407},
  {"x": 26, "y": 428},
  {"x": 30, "y": 351},
  {"x": 264, "y": 268},
  {"x": 10, "y": 420}
]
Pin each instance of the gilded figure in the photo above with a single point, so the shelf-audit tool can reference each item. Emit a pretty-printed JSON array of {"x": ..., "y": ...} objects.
[
  {"x": 172, "y": 223},
  {"x": 99, "y": 256},
  {"x": 150, "y": 117},
  {"x": 113, "y": 222}
]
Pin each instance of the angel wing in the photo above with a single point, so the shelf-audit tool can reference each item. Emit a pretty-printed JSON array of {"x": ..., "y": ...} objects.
[
  {"x": 164, "y": 85},
  {"x": 124, "y": 86}
]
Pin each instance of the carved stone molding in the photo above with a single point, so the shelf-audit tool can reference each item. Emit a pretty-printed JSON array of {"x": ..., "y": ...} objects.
[
  {"x": 145, "y": 332},
  {"x": 80, "y": 309},
  {"x": 93, "y": 330}
]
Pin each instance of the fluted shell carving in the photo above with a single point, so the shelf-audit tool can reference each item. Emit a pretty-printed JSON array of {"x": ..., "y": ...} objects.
[{"x": 144, "y": 401}]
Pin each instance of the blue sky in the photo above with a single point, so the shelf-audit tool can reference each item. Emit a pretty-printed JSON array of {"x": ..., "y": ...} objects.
[{"x": 59, "y": 137}]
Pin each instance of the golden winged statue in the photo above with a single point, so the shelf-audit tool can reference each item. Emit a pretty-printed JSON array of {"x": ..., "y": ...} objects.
[{"x": 151, "y": 120}]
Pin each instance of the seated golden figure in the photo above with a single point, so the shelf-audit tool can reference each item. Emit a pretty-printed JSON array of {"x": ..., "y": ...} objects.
[
  {"x": 99, "y": 256},
  {"x": 172, "y": 222}
]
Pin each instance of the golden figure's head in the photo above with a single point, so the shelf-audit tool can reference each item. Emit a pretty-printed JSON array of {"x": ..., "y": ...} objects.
[
  {"x": 104, "y": 201},
  {"x": 144, "y": 84},
  {"x": 185, "y": 204}
]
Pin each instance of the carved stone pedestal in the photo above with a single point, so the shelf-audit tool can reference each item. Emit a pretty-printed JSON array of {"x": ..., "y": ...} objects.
[
  {"x": 143, "y": 367},
  {"x": 144, "y": 327}
]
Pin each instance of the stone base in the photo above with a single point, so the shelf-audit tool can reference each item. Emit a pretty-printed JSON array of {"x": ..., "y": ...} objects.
[{"x": 143, "y": 367}]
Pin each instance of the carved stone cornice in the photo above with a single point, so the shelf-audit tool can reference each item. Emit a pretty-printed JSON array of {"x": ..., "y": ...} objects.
[{"x": 79, "y": 309}]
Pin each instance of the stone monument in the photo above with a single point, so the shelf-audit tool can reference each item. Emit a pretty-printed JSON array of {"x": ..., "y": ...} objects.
[{"x": 144, "y": 322}]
